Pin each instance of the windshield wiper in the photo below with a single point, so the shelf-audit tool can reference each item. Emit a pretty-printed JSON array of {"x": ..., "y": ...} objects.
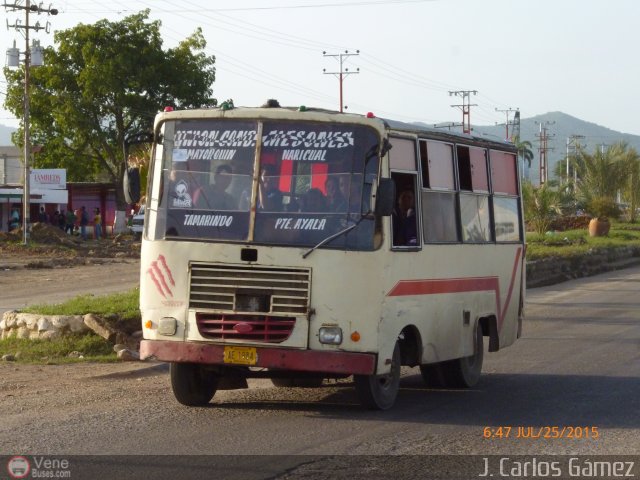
[{"x": 336, "y": 235}]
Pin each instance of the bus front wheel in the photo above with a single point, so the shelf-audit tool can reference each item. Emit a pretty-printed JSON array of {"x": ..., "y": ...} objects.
[
  {"x": 379, "y": 392},
  {"x": 192, "y": 384},
  {"x": 459, "y": 373}
]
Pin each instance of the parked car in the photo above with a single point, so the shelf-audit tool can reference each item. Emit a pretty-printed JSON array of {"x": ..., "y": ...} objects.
[{"x": 137, "y": 223}]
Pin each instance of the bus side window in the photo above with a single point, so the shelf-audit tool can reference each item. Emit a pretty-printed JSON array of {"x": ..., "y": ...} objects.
[{"x": 404, "y": 219}]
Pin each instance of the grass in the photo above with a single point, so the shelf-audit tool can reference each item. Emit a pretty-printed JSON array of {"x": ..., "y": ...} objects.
[
  {"x": 578, "y": 242},
  {"x": 92, "y": 347},
  {"x": 121, "y": 307}
]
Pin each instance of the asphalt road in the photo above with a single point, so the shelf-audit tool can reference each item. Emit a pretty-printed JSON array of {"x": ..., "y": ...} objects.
[
  {"x": 21, "y": 286},
  {"x": 577, "y": 367}
]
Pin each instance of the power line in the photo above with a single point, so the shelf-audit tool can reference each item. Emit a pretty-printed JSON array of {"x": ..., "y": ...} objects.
[
  {"x": 282, "y": 7},
  {"x": 221, "y": 21}
]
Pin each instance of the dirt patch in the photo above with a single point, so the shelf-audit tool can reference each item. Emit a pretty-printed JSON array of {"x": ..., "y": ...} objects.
[
  {"x": 50, "y": 247},
  {"x": 55, "y": 267}
]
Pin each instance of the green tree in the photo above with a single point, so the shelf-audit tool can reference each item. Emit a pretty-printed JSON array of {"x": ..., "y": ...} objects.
[
  {"x": 541, "y": 205},
  {"x": 600, "y": 176},
  {"x": 99, "y": 91}
]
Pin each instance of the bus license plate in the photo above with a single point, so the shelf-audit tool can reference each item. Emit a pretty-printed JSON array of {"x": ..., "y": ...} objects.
[{"x": 240, "y": 355}]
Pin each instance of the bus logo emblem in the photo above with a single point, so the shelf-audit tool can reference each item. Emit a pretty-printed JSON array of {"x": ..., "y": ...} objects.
[
  {"x": 182, "y": 198},
  {"x": 161, "y": 276}
]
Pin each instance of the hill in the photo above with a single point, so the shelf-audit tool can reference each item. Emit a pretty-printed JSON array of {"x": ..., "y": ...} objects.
[{"x": 562, "y": 126}]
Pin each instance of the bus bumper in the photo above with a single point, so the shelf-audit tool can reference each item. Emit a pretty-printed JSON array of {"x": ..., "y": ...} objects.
[{"x": 267, "y": 357}]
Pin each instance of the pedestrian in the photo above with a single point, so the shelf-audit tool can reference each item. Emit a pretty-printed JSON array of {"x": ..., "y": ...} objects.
[
  {"x": 14, "y": 220},
  {"x": 61, "y": 219},
  {"x": 70, "y": 221},
  {"x": 97, "y": 224},
  {"x": 42, "y": 216},
  {"x": 84, "y": 221}
]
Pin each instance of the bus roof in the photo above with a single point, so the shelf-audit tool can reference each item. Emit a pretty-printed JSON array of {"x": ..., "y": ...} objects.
[
  {"x": 489, "y": 141},
  {"x": 320, "y": 114}
]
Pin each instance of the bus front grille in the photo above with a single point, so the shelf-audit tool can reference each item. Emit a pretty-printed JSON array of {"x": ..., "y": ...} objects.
[
  {"x": 252, "y": 290},
  {"x": 256, "y": 328}
]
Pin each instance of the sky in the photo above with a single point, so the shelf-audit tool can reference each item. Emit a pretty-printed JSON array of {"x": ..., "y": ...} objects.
[{"x": 575, "y": 56}]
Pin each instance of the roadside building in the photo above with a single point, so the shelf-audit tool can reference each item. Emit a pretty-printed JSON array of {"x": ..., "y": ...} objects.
[{"x": 49, "y": 189}]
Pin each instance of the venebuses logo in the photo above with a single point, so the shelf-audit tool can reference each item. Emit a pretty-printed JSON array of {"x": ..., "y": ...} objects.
[{"x": 18, "y": 467}]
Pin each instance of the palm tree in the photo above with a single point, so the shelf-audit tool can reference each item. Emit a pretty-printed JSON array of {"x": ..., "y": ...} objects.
[
  {"x": 541, "y": 205},
  {"x": 525, "y": 151},
  {"x": 600, "y": 176}
]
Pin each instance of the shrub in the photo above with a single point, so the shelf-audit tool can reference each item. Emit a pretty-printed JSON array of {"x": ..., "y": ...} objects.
[{"x": 570, "y": 222}]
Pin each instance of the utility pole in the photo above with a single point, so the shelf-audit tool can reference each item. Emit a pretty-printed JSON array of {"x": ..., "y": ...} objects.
[
  {"x": 572, "y": 142},
  {"x": 515, "y": 132},
  {"x": 466, "y": 107},
  {"x": 543, "y": 138},
  {"x": 343, "y": 72},
  {"x": 449, "y": 125},
  {"x": 28, "y": 8},
  {"x": 602, "y": 145},
  {"x": 507, "y": 123}
]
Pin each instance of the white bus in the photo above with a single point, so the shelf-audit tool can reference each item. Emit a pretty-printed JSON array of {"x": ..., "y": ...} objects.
[{"x": 302, "y": 244}]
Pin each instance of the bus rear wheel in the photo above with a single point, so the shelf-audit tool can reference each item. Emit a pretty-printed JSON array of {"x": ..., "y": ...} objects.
[
  {"x": 379, "y": 392},
  {"x": 192, "y": 384},
  {"x": 459, "y": 373}
]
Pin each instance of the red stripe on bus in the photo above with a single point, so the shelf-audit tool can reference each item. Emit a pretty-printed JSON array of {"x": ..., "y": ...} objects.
[
  {"x": 460, "y": 285},
  {"x": 447, "y": 285},
  {"x": 511, "y": 285}
]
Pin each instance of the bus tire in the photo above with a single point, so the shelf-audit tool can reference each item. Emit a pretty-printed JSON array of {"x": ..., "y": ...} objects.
[
  {"x": 192, "y": 384},
  {"x": 459, "y": 373},
  {"x": 465, "y": 372},
  {"x": 379, "y": 392},
  {"x": 301, "y": 382}
]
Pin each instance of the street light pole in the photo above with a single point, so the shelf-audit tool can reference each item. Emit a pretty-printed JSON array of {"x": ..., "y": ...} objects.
[
  {"x": 13, "y": 55},
  {"x": 26, "y": 206}
]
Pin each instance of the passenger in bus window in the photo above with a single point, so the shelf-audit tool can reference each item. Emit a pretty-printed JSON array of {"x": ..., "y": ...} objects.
[
  {"x": 405, "y": 232},
  {"x": 344, "y": 185},
  {"x": 219, "y": 199},
  {"x": 269, "y": 196},
  {"x": 313, "y": 201},
  {"x": 336, "y": 201}
]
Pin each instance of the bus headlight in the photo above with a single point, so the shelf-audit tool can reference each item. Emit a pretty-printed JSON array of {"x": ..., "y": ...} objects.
[
  {"x": 330, "y": 335},
  {"x": 167, "y": 326}
]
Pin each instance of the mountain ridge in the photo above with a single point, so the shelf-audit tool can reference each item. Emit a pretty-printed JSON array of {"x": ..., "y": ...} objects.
[{"x": 561, "y": 126}]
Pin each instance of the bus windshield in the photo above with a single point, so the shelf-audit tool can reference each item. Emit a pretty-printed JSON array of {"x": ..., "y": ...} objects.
[{"x": 310, "y": 181}]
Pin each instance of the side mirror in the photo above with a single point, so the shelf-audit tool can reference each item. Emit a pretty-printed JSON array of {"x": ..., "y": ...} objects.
[
  {"x": 131, "y": 185},
  {"x": 385, "y": 197}
]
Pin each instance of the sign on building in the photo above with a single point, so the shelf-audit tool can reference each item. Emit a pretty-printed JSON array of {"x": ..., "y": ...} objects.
[{"x": 49, "y": 179}]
